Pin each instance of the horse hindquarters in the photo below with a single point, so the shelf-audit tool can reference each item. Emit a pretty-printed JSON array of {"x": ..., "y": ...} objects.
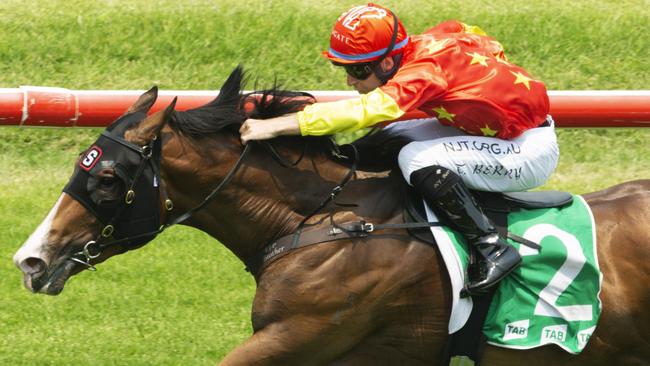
[{"x": 622, "y": 214}]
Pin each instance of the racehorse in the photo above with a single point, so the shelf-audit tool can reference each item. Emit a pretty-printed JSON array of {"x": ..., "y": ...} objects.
[{"x": 377, "y": 299}]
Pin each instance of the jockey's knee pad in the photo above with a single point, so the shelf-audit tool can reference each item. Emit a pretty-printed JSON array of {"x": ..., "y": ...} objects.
[{"x": 434, "y": 181}]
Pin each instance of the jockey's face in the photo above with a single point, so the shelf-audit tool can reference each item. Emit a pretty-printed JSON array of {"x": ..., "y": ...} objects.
[
  {"x": 365, "y": 86},
  {"x": 372, "y": 82}
]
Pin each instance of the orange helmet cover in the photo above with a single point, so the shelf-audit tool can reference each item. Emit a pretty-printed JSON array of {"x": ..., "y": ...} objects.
[{"x": 363, "y": 34}]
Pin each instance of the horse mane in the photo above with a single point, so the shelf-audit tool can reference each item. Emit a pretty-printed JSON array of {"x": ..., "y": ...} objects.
[
  {"x": 232, "y": 107},
  {"x": 224, "y": 111},
  {"x": 377, "y": 151}
]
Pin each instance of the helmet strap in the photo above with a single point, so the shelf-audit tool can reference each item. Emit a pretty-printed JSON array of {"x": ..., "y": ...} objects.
[{"x": 385, "y": 75}]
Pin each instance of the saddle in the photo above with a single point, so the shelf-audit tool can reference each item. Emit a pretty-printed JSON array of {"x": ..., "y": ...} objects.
[{"x": 496, "y": 205}]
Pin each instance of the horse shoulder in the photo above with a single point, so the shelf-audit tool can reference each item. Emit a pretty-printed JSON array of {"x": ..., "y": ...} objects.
[{"x": 363, "y": 289}]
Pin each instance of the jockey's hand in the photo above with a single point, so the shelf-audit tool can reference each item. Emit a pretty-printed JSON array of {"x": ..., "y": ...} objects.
[{"x": 263, "y": 129}]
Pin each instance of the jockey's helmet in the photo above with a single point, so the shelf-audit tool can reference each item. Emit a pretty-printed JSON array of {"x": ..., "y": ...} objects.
[{"x": 366, "y": 34}]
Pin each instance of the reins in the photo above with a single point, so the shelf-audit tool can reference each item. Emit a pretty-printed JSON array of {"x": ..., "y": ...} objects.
[
  {"x": 270, "y": 252},
  {"x": 214, "y": 192},
  {"x": 279, "y": 159},
  {"x": 336, "y": 190}
]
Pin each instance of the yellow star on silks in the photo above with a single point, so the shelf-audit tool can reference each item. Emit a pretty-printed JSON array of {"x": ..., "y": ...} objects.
[
  {"x": 444, "y": 114},
  {"x": 435, "y": 46},
  {"x": 477, "y": 59},
  {"x": 487, "y": 131},
  {"x": 522, "y": 79}
]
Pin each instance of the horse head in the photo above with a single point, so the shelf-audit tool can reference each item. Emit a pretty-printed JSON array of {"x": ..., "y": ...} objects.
[
  {"x": 145, "y": 173},
  {"x": 110, "y": 204}
]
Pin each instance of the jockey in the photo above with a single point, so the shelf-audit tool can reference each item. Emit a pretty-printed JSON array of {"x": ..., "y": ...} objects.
[{"x": 490, "y": 129}]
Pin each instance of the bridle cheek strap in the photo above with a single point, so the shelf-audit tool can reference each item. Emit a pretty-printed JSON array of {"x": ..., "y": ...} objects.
[
  {"x": 134, "y": 221},
  {"x": 125, "y": 222}
]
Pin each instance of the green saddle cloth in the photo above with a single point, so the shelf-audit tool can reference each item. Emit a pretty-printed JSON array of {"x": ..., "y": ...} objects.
[{"x": 552, "y": 298}]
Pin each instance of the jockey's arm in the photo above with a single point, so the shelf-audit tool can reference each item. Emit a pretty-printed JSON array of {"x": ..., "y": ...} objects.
[
  {"x": 348, "y": 115},
  {"x": 327, "y": 118}
]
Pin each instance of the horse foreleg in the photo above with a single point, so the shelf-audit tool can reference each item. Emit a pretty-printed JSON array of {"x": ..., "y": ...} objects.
[{"x": 294, "y": 342}]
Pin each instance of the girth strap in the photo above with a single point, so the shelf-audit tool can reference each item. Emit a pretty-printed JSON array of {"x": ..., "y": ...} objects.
[{"x": 302, "y": 238}]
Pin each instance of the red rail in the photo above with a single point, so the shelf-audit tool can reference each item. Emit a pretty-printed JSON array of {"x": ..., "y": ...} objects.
[{"x": 44, "y": 106}]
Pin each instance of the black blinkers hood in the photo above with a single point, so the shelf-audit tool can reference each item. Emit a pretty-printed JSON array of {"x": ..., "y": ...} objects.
[{"x": 133, "y": 170}]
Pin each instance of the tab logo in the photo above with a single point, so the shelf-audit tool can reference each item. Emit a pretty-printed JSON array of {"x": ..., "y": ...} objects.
[
  {"x": 352, "y": 17},
  {"x": 583, "y": 337},
  {"x": 91, "y": 158},
  {"x": 554, "y": 334},
  {"x": 516, "y": 330}
]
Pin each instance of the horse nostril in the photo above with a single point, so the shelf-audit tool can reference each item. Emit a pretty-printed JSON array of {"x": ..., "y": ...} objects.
[{"x": 33, "y": 265}]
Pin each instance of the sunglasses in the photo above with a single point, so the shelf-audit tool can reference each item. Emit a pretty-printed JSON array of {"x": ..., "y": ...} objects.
[{"x": 359, "y": 71}]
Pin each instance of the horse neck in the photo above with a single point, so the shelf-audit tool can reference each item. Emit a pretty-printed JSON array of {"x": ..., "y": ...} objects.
[{"x": 262, "y": 202}]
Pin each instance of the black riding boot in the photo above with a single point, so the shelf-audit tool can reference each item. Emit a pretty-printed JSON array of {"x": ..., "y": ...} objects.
[{"x": 446, "y": 194}]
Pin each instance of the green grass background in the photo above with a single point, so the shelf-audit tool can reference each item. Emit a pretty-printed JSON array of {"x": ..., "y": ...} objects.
[{"x": 184, "y": 299}]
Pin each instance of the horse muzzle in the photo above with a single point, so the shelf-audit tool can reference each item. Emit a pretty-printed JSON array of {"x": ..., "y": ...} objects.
[{"x": 37, "y": 278}]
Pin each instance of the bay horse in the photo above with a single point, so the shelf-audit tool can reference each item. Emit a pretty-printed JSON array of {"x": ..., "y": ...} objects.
[{"x": 383, "y": 299}]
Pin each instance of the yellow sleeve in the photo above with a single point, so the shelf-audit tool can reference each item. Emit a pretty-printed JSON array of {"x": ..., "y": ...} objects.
[{"x": 348, "y": 115}]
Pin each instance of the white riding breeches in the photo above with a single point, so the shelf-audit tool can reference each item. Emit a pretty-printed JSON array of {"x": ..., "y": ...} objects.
[{"x": 483, "y": 163}]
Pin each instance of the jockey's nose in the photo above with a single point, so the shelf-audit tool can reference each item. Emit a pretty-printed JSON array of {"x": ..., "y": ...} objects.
[{"x": 351, "y": 80}]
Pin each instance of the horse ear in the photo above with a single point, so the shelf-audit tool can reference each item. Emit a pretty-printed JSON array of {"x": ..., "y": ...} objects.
[
  {"x": 151, "y": 126},
  {"x": 166, "y": 115},
  {"x": 144, "y": 103}
]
